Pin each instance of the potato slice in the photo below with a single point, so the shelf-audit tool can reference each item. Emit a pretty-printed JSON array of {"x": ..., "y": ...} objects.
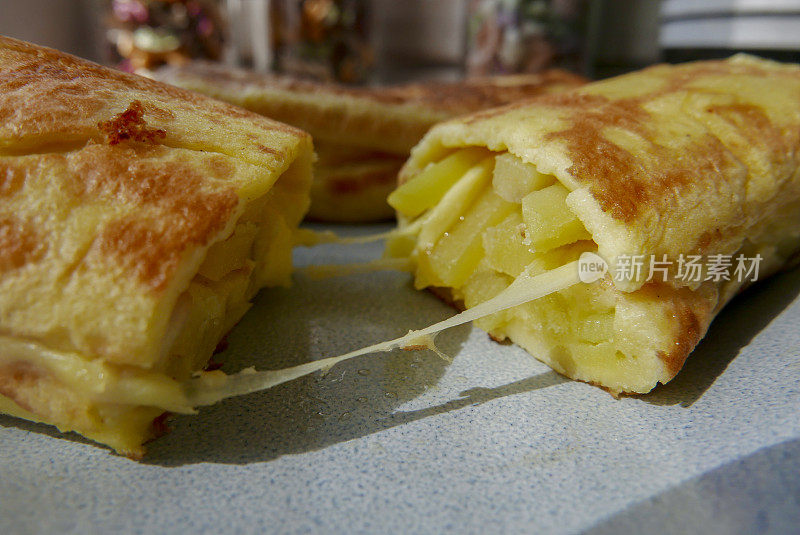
[
  {"x": 454, "y": 257},
  {"x": 595, "y": 328},
  {"x": 549, "y": 222},
  {"x": 482, "y": 286},
  {"x": 464, "y": 193},
  {"x": 514, "y": 179},
  {"x": 427, "y": 188},
  {"x": 507, "y": 249}
]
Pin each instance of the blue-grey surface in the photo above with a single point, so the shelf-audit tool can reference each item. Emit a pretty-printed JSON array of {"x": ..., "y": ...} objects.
[{"x": 406, "y": 442}]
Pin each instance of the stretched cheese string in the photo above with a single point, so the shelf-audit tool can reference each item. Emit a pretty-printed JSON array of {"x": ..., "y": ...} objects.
[{"x": 210, "y": 387}]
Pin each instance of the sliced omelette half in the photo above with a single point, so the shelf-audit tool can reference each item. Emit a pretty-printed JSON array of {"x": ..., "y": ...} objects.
[
  {"x": 137, "y": 220},
  {"x": 363, "y": 135},
  {"x": 696, "y": 161}
]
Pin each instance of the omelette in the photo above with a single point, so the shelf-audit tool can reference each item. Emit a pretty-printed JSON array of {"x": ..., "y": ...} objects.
[
  {"x": 137, "y": 220},
  {"x": 362, "y": 135},
  {"x": 652, "y": 170}
]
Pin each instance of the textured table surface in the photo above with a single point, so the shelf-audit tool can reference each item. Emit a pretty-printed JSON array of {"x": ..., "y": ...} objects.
[{"x": 406, "y": 442}]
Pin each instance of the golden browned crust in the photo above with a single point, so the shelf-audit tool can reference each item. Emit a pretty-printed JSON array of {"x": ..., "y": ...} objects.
[
  {"x": 691, "y": 312},
  {"x": 456, "y": 98},
  {"x": 388, "y": 119},
  {"x": 347, "y": 184},
  {"x": 48, "y": 95},
  {"x": 459, "y": 98},
  {"x": 19, "y": 243},
  {"x": 617, "y": 176},
  {"x": 617, "y": 179},
  {"x": 349, "y": 116},
  {"x": 185, "y": 212},
  {"x": 11, "y": 178}
]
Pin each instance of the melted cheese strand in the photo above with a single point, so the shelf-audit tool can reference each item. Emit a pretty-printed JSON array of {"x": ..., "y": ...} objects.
[{"x": 210, "y": 387}]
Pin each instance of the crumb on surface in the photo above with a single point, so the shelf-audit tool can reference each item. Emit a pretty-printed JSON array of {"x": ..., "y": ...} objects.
[{"x": 130, "y": 126}]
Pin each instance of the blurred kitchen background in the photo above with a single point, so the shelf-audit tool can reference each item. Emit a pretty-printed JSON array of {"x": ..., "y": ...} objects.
[{"x": 384, "y": 41}]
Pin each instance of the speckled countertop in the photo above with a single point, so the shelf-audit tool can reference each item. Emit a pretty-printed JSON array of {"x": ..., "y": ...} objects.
[{"x": 405, "y": 442}]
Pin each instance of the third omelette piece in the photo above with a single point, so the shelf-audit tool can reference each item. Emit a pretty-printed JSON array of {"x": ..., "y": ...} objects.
[{"x": 362, "y": 135}]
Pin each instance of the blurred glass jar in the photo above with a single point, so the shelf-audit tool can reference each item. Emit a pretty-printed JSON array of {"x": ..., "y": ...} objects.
[
  {"x": 513, "y": 36},
  {"x": 323, "y": 39},
  {"x": 143, "y": 34},
  {"x": 350, "y": 41}
]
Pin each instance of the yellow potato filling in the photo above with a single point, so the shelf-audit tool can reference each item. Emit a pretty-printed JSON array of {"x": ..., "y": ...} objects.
[{"x": 498, "y": 219}]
